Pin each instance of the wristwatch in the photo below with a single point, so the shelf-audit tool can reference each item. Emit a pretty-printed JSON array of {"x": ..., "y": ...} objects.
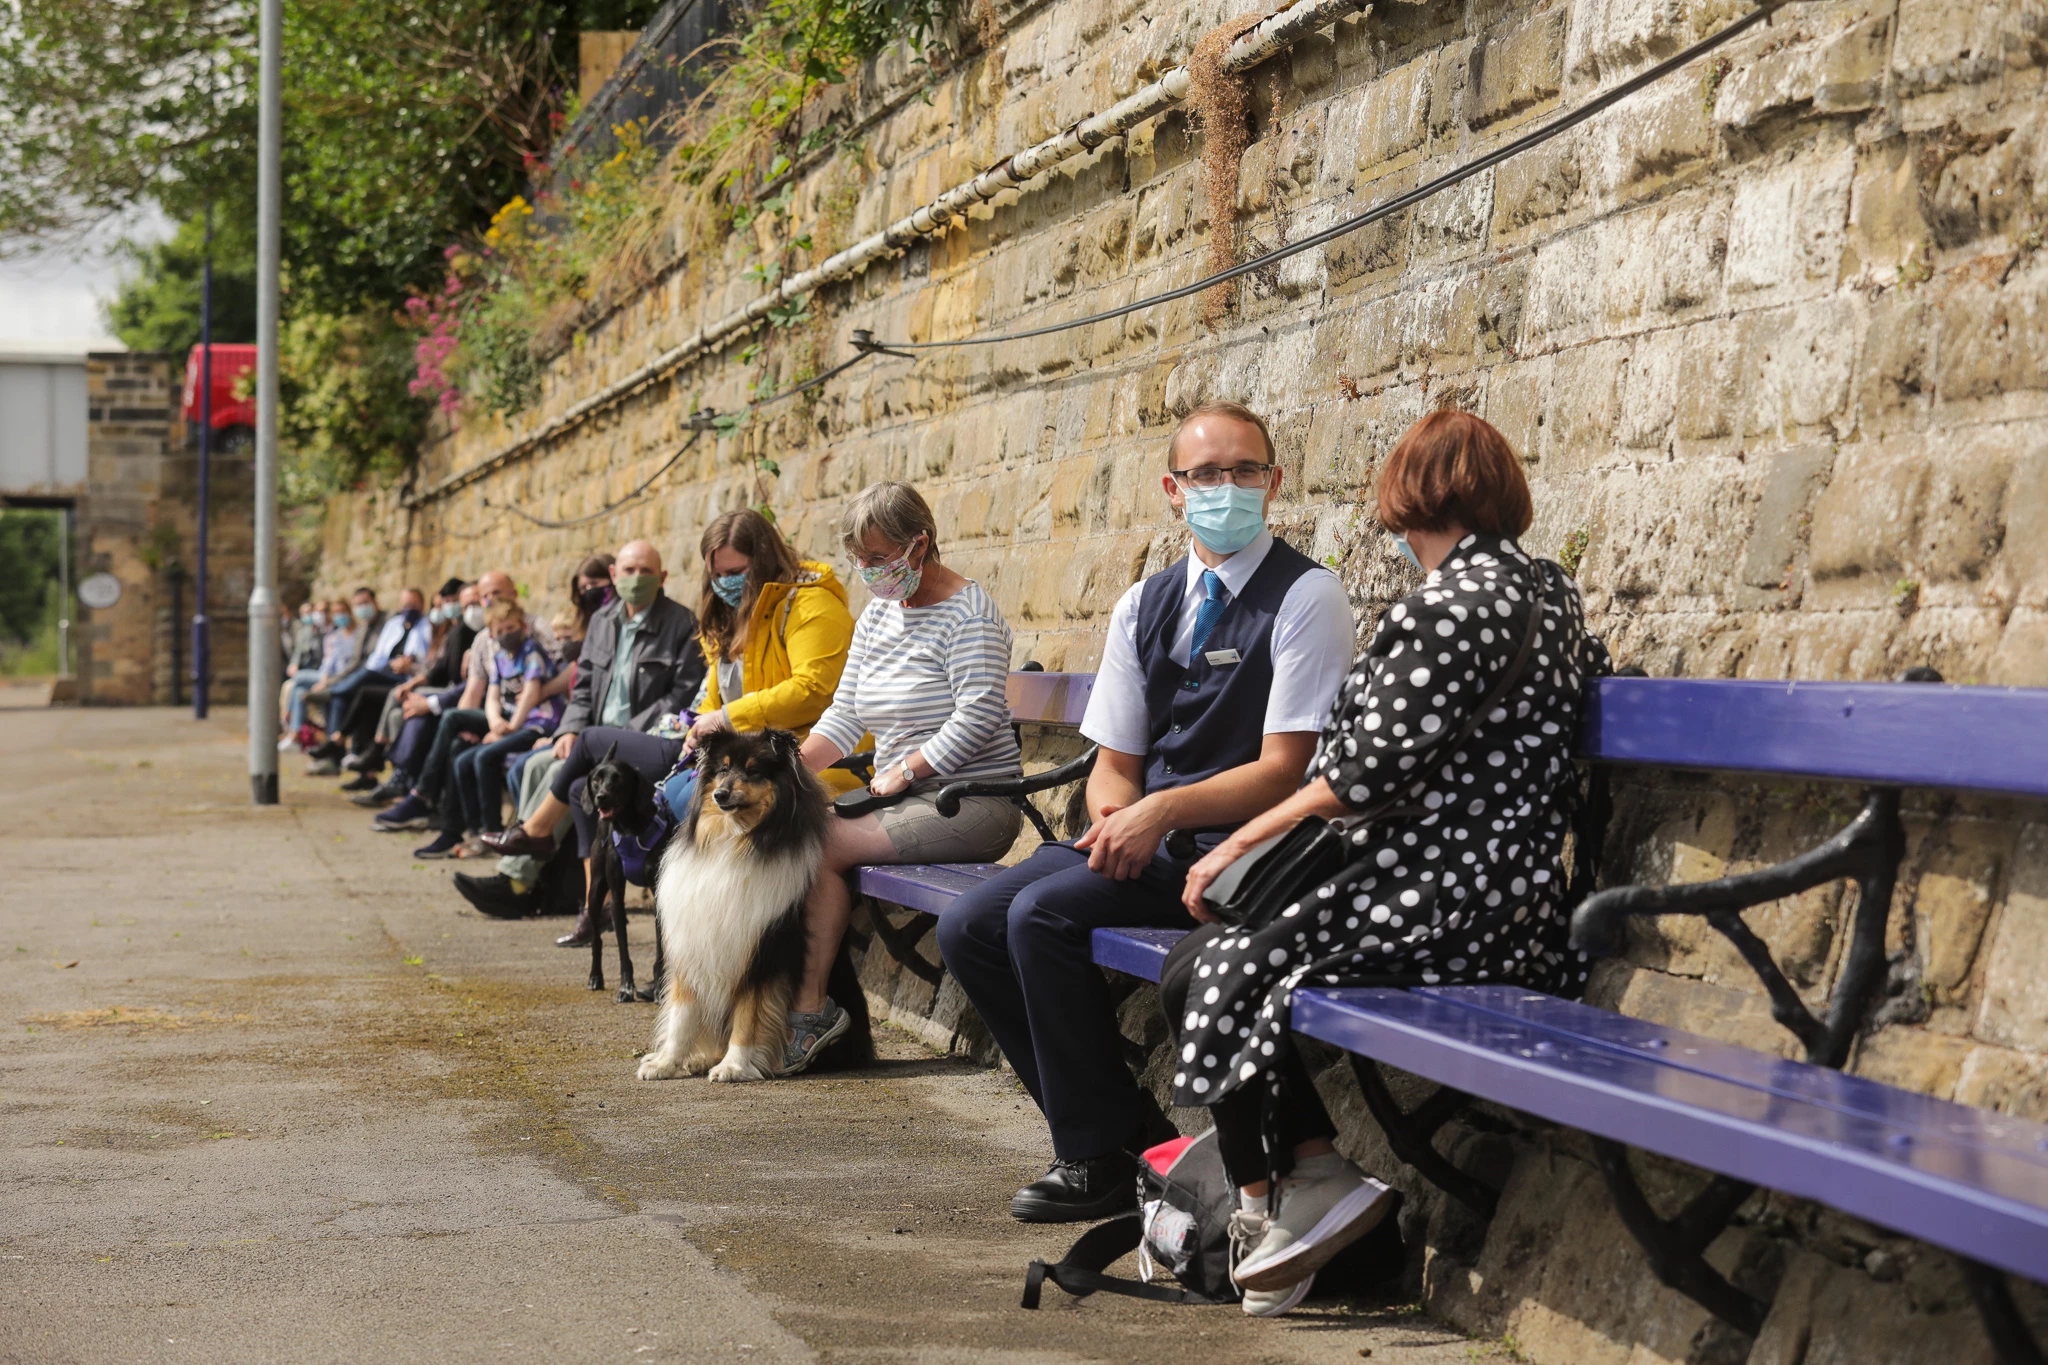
[{"x": 909, "y": 774}]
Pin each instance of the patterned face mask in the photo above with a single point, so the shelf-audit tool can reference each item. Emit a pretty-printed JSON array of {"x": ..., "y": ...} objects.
[
  {"x": 730, "y": 587},
  {"x": 894, "y": 581}
]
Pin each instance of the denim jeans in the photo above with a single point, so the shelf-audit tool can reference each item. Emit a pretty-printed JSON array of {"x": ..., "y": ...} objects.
[
  {"x": 303, "y": 682},
  {"x": 480, "y": 781}
]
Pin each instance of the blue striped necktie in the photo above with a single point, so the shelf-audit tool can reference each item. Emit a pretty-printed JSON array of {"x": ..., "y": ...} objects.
[{"x": 1215, "y": 599}]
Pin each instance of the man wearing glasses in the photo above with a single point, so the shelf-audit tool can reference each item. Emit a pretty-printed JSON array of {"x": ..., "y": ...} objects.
[{"x": 1215, "y": 680}]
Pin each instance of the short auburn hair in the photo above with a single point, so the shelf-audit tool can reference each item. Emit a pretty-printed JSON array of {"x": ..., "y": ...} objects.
[
  {"x": 502, "y": 612},
  {"x": 1454, "y": 469},
  {"x": 1237, "y": 412}
]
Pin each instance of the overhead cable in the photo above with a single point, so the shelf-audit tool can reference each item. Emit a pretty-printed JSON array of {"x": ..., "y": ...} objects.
[{"x": 1535, "y": 138}]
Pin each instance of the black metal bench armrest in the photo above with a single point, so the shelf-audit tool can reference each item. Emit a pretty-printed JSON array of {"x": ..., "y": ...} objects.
[
  {"x": 953, "y": 793},
  {"x": 861, "y": 765},
  {"x": 1867, "y": 851}
]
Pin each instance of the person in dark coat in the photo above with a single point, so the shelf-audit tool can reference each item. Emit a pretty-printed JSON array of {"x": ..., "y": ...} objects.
[{"x": 1458, "y": 877}]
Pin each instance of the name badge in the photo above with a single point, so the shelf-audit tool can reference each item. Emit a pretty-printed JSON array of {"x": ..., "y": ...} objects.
[{"x": 1222, "y": 656}]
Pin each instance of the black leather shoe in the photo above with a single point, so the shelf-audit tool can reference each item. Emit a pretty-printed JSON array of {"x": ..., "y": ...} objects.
[
  {"x": 495, "y": 897},
  {"x": 1080, "y": 1191},
  {"x": 362, "y": 782}
]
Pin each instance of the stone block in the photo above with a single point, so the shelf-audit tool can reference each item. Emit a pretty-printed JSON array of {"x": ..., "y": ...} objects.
[
  {"x": 1543, "y": 183},
  {"x": 1779, "y": 527},
  {"x": 1994, "y": 337},
  {"x": 1393, "y": 119},
  {"x": 1785, "y": 226},
  {"x": 2022, "y": 574},
  {"x": 1912, "y": 1059},
  {"x": 1666, "y": 137},
  {"x": 1800, "y": 364},
  {"x": 1516, "y": 69},
  {"x": 2010, "y": 1082},
  {"x": 2021, "y": 659},
  {"x": 2014, "y": 1010},
  {"x": 1945, "y": 43},
  {"x": 1827, "y": 1314},
  {"x": 1829, "y": 61},
  {"x": 1453, "y": 223}
]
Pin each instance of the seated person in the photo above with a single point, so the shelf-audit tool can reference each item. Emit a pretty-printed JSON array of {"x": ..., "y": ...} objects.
[
  {"x": 397, "y": 647},
  {"x": 640, "y": 664},
  {"x": 366, "y": 623},
  {"x": 517, "y": 718},
  {"x": 448, "y": 643},
  {"x": 1462, "y": 884},
  {"x": 774, "y": 630},
  {"x": 928, "y": 676},
  {"x": 1216, "y": 675},
  {"x": 302, "y": 671},
  {"x": 460, "y": 720}
]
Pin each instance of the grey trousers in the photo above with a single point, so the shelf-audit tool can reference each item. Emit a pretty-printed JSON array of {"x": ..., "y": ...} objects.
[{"x": 533, "y": 788}]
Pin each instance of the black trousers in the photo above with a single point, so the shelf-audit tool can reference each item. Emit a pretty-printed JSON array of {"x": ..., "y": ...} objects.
[
  {"x": 1019, "y": 945},
  {"x": 449, "y": 741},
  {"x": 652, "y": 755},
  {"x": 365, "y": 709},
  {"x": 1301, "y": 1116}
]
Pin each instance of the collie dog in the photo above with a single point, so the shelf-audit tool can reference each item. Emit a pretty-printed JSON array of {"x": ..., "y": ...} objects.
[{"x": 730, "y": 902}]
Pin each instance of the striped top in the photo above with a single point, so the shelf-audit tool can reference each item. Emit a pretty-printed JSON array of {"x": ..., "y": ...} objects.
[{"x": 931, "y": 678}]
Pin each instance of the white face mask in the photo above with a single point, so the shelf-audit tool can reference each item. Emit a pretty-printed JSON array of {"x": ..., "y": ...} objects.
[{"x": 473, "y": 616}]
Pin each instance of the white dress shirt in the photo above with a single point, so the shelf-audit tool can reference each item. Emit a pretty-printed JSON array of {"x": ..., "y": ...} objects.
[{"x": 1312, "y": 651}]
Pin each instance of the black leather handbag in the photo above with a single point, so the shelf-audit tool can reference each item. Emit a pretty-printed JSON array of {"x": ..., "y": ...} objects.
[{"x": 1274, "y": 874}]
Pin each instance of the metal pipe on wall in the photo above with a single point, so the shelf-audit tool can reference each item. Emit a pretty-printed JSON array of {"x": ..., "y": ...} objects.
[{"x": 265, "y": 663}]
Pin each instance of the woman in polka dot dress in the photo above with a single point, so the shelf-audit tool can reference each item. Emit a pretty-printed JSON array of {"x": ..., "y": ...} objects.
[{"x": 1457, "y": 873}]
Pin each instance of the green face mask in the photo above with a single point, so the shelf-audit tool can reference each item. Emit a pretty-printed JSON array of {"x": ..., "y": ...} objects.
[{"x": 638, "y": 589}]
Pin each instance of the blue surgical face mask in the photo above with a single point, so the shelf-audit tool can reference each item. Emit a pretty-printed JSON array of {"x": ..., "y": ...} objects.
[
  {"x": 1407, "y": 551},
  {"x": 1226, "y": 519},
  {"x": 364, "y": 611},
  {"x": 730, "y": 587}
]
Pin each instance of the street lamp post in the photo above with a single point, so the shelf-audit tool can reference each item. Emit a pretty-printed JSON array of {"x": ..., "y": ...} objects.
[
  {"x": 202, "y": 632},
  {"x": 265, "y": 662}
]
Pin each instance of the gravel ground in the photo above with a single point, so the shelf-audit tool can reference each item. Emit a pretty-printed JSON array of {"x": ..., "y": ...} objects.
[{"x": 274, "y": 1093}]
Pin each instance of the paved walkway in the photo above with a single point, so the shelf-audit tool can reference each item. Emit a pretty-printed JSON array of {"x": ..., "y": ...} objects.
[{"x": 272, "y": 1093}]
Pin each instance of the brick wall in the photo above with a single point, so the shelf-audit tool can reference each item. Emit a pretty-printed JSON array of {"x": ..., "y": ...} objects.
[
  {"x": 138, "y": 521},
  {"x": 1771, "y": 337}
]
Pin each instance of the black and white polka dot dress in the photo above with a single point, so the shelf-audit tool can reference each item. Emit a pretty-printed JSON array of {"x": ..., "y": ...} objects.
[{"x": 1469, "y": 891}]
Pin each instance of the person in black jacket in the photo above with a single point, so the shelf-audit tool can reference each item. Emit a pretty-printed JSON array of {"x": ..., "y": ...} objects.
[{"x": 640, "y": 662}]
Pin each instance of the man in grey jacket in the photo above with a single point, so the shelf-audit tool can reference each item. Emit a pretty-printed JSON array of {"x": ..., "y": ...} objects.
[{"x": 641, "y": 661}]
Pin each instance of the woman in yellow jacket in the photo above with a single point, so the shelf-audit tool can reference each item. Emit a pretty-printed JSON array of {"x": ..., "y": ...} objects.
[{"x": 775, "y": 631}]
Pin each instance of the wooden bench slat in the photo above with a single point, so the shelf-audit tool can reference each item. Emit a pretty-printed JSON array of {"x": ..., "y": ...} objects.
[
  {"x": 2017, "y": 1138},
  {"x": 1050, "y": 698},
  {"x": 1981, "y": 1203},
  {"x": 921, "y": 886},
  {"x": 1895, "y": 734},
  {"x": 1135, "y": 952}
]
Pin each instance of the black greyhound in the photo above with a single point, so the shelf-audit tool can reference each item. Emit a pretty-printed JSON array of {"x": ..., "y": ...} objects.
[{"x": 622, "y": 799}]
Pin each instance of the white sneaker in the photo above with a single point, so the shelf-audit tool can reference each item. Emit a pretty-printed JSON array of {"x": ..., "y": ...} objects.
[
  {"x": 1271, "y": 1303},
  {"x": 1325, "y": 1206},
  {"x": 288, "y": 745}
]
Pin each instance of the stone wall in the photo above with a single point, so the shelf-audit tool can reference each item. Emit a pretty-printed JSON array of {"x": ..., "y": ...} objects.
[
  {"x": 138, "y": 521},
  {"x": 1771, "y": 337}
]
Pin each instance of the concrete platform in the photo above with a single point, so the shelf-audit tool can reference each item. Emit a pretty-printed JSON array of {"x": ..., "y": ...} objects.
[{"x": 272, "y": 1092}]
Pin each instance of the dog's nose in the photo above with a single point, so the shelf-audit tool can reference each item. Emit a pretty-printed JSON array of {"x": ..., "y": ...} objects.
[{"x": 725, "y": 798}]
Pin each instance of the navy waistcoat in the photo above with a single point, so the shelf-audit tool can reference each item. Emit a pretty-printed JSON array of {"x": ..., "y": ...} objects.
[{"x": 1207, "y": 718}]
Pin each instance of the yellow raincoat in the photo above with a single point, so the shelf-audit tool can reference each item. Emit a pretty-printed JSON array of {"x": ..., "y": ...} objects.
[{"x": 796, "y": 647}]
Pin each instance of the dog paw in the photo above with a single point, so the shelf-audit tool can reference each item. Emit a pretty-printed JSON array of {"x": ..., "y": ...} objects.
[
  {"x": 733, "y": 1072},
  {"x": 654, "y": 1068}
]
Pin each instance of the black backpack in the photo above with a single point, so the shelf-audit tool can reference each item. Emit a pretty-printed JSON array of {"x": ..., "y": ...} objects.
[{"x": 1182, "y": 1226}]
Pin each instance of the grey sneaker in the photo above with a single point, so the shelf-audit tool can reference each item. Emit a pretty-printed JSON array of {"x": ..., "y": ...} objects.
[
  {"x": 810, "y": 1035},
  {"x": 1325, "y": 1206},
  {"x": 323, "y": 767}
]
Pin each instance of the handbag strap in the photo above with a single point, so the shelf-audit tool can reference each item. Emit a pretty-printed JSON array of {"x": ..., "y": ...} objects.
[{"x": 1079, "y": 1272}]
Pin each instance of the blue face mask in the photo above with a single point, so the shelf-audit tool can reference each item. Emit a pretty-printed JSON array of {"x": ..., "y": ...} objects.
[
  {"x": 1407, "y": 551},
  {"x": 1226, "y": 519},
  {"x": 730, "y": 587},
  {"x": 363, "y": 612}
]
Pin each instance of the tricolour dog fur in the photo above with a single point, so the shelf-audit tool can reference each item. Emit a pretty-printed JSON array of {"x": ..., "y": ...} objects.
[{"x": 730, "y": 900}]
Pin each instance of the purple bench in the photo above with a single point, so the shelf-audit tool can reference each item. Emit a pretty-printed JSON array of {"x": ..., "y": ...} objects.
[{"x": 1970, "y": 1181}]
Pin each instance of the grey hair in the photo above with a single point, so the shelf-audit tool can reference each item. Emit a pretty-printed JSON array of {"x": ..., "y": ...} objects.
[{"x": 894, "y": 509}]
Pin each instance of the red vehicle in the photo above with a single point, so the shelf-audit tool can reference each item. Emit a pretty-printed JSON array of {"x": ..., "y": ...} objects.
[{"x": 230, "y": 362}]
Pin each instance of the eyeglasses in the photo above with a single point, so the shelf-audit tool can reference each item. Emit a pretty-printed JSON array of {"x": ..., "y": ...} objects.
[{"x": 1215, "y": 476}]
